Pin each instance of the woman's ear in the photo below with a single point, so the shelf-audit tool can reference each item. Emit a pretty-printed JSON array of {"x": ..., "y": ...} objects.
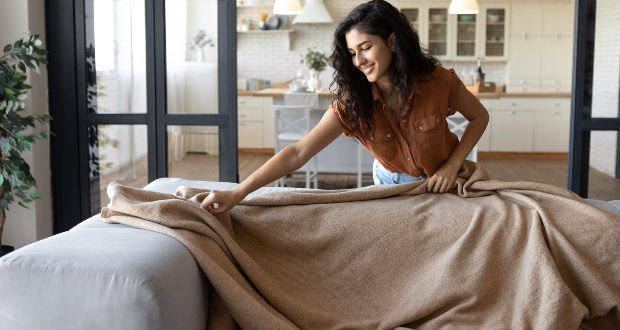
[{"x": 391, "y": 41}]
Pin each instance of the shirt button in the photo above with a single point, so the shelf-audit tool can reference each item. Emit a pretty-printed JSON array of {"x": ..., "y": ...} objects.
[
  {"x": 408, "y": 158},
  {"x": 372, "y": 138},
  {"x": 437, "y": 119},
  {"x": 389, "y": 135},
  {"x": 420, "y": 128}
]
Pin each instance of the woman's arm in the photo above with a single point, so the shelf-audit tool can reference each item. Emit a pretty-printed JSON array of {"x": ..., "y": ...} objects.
[
  {"x": 284, "y": 162},
  {"x": 478, "y": 117}
]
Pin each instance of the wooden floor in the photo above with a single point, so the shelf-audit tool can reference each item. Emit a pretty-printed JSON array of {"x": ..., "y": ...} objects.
[{"x": 550, "y": 171}]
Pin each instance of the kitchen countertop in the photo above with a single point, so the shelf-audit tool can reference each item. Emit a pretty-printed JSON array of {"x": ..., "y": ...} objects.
[{"x": 275, "y": 92}]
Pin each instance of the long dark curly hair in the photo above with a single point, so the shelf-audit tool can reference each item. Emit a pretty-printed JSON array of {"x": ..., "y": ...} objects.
[{"x": 409, "y": 61}]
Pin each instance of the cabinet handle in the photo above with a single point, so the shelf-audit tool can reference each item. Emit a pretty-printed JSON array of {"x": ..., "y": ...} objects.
[
  {"x": 557, "y": 36},
  {"x": 514, "y": 104},
  {"x": 524, "y": 35},
  {"x": 513, "y": 113},
  {"x": 242, "y": 102},
  {"x": 242, "y": 116},
  {"x": 241, "y": 124},
  {"x": 556, "y": 112}
]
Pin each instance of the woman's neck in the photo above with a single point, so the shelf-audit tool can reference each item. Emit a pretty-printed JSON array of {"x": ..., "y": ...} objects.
[{"x": 385, "y": 86}]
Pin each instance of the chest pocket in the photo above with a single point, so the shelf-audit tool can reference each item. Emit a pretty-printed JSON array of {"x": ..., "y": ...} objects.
[{"x": 428, "y": 123}]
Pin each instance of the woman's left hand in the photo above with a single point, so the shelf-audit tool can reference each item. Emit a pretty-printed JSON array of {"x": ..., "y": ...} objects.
[{"x": 444, "y": 179}]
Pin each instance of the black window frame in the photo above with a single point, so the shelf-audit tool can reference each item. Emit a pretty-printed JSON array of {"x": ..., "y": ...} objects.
[{"x": 68, "y": 32}]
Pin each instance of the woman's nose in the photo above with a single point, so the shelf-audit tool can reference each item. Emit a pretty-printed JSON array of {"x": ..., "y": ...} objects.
[{"x": 359, "y": 59}]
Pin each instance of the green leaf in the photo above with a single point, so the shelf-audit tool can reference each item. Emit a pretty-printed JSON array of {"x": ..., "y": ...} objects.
[
  {"x": 8, "y": 48},
  {"x": 1, "y": 179}
]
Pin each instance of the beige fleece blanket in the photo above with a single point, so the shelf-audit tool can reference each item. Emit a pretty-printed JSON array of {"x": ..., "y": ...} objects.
[{"x": 489, "y": 255}]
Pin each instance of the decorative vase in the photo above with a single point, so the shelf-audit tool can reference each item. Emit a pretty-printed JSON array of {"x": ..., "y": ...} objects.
[
  {"x": 314, "y": 81},
  {"x": 200, "y": 55}
]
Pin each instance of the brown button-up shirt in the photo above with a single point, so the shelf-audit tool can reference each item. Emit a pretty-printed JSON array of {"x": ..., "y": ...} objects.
[{"x": 418, "y": 141}]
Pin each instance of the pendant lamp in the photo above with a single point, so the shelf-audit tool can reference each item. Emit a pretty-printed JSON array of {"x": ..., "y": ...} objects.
[
  {"x": 463, "y": 7},
  {"x": 286, "y": 7},
  {"x": 314, "y": 11}
]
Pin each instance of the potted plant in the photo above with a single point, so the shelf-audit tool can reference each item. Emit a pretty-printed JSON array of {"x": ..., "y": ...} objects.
[
  {"x": 16, "y": 181},
  {"x": 316, "y": 63}
]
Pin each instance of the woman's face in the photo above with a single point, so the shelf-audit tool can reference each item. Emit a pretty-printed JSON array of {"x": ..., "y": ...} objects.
[{"x": 370, "y": 54}]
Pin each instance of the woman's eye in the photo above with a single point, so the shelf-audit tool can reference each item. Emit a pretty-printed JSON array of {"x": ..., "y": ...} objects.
[{"x": 365, "y": 49}]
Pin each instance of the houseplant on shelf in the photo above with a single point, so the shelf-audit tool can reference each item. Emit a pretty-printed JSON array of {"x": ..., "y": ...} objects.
[
  {"x": 316, "y": 63},
  {"x": 16, "y": 181}
]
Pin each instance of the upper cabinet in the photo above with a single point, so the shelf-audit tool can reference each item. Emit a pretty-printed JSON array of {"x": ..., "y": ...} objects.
[
  {"x": 461, "y": 37},
  {"x": 541, "y": 46},
  {"x": 465, "y": 42},
  {"x": 494, "y": 22},
  {"x": 437, "y": 32}
]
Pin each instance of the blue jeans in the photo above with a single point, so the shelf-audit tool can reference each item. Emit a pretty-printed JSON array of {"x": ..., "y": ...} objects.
[{"x": 381, "y": 175}]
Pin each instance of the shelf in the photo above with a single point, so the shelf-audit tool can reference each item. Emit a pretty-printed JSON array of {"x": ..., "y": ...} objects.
[
  {"x": 282, "y": 31},
  {"x": 286, "y": 32}
]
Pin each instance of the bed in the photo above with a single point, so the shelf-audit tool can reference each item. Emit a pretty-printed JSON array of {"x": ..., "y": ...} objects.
[{"x": 112, "y": 276}]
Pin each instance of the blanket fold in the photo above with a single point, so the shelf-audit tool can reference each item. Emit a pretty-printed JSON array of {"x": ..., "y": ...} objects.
[{"x": 489, "y": 254}]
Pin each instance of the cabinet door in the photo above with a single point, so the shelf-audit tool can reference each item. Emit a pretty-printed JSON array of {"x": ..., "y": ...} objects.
[
  {"x": 465, "y": 36},
  {"x": 268, "y": 128},
  {"x": 494, "y": 33},
  {"x": 556, "y": 58},
  {"x": 524, "y": 60},
  {"x": 413, "y": 16},
  {"x": 551, "y": 130},
  {"x": 512, "y": 131},
  {"x": 250, "y": 135},
  {"x": 437, "y": 32},
  {"x": 558, "y": 19},
  {"x": 526, "y": 19}
]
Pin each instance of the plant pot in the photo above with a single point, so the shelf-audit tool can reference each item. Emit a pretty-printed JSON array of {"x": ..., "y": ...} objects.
[{"x": 6, "y": 249}]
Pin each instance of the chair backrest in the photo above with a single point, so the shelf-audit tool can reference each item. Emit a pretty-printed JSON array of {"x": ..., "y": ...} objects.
[
  {"x": 292, "y": 120},
  {"x": 457, "y": 124},
  {"x": 308, "y": 99}
]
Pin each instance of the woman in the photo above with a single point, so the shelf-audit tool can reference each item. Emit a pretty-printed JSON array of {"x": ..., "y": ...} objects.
[{"x": 393, "y": 98}]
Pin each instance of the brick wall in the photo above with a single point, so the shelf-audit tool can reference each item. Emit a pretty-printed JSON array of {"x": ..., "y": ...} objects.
[{"x": 606, "y": 83}]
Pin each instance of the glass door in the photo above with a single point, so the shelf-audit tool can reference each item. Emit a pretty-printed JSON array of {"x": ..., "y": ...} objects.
[
  {"x": 495, "y": 32},
  {"x": 135, "y": 87},
  {"x": 438, "y": 31},
  {"x": 466, "y": 35}
]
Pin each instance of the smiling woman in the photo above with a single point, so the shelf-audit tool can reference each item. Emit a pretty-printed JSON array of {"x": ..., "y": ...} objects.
[{"x": 380, "y": 71}]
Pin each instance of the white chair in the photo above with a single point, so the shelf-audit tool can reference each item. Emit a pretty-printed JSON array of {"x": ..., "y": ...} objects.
[
  {"x": 292, "y": 122},
  {"x": 457, "y": 124}
]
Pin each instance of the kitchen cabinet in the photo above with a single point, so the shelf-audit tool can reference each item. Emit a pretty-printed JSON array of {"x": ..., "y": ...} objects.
[
  {"x": 494, "y": 40},
  {"x": 462, "y": 37},
  {"x": 511, "y": 130},
  {"x": 255, "y": 122},
  {"x": 552, "y": 128},
  {"x": 541, "y": 48},
  {"x": 528, "y": 125}
]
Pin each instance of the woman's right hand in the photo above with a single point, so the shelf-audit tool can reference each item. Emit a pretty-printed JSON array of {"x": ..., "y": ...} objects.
[{"x": 221, "y": 201}]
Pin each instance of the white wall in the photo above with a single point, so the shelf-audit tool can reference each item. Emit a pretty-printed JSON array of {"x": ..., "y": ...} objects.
[
  {"x": 606, "y": 83},
  {"x": 25, "y": 226}
]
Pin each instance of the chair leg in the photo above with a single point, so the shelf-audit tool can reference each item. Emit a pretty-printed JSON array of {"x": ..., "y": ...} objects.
[
  {"x": 315, "y": 163},
  {"x": 308, "y": 174}
]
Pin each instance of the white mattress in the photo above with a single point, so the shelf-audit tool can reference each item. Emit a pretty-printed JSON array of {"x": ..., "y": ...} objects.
[{"x": 103, "y": 276}]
